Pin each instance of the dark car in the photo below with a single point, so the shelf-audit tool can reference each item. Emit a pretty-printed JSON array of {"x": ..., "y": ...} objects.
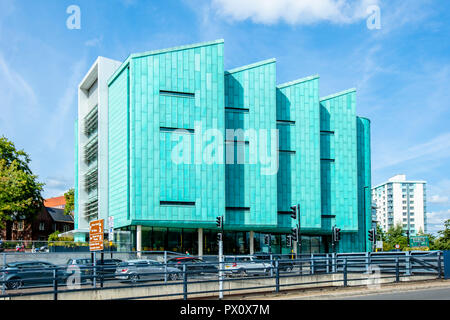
[
  {"x": 106, "y": 269},
  {"x": 32, "y": 273},
  {"x": 284, "y": 263},
  {"x": 193, "y": 265}
]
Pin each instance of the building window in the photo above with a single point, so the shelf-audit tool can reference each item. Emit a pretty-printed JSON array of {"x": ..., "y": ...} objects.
[
  {"x": 20, "y": 225},
  {"x": 41, "y": 226},
  {"x": 66, "y": 228}
]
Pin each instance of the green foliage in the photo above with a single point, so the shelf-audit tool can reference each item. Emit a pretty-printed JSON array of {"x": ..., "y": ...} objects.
[
  {"x": 395, "y": 236},
  {"x": 20, "y": 192},
  {"x": 70, "y": 201},
  {"x": 443, "y": 242}
]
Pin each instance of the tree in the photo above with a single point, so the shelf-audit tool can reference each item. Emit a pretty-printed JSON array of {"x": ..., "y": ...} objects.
[
  {"x": 395, "y": 236},
  {"x": 381, "y": 235},
  {"x": 20, "y": 192},
  {"x": 443, "y": 242},
  {"x": 70, "y": 201}
]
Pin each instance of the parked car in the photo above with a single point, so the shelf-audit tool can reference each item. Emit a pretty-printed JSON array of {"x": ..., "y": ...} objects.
[
  {"x": 193, "y": 265},
  {"x": 245, "y": 265},
  {"x": 42, "y": 249},
  {"x": 106, "y": 269},
  {"x": 135, "y": 270},
  {"x": 31, "y": 273},
  {"x": 284, "y": 263}
]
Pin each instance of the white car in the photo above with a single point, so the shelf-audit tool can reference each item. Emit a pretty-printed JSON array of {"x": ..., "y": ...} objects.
[{"x": 245, "y": 265}]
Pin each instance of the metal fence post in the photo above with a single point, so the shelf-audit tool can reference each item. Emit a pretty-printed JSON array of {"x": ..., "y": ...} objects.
[
  {"x": 3, "y": 274},
  {"x": 333, "y": 262},
  {"x": 397, "y": 270},
  {"x": 328, "y": 263},
  {"x": 277, "y": 279},
  {"x": 408, "y": 263},
  {"x": 94, "y": 279},
  {"x": 439, "y": 265},
  {"x": 55, "y": 284},
  {"x": 311, "y": 265},
  {"x": 184, "y": 282},
  {"x": 271, "y": 264},
  {"x": 367, "y": 262},
  {"x": 165, "y": 266},
  {"x": 345, "y": 272}
]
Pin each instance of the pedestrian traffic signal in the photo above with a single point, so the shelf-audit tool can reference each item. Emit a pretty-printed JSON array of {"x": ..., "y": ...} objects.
[
  {"x": 294, "y": 234},
  {"x": 267, "y": 239},
  {"x": 289, "y": 241},
  {"x": 294, "y": 212},
  {"x": 219, "y": 222}
]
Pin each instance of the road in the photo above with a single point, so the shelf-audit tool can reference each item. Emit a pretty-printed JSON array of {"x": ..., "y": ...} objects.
[{"x": 418, "y": 294}]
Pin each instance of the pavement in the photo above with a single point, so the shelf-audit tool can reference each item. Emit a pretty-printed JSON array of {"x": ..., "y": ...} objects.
[{"x": 420, "y": 290}]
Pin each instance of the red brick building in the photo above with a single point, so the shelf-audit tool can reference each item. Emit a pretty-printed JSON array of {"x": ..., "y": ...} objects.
[{"x": 47, "y": 221}]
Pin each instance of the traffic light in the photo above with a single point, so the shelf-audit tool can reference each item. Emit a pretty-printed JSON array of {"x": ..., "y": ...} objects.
[
  {"x": 289, "y": 241},
  {"x": 219, "y": 237},
  {"x": 372, "y": 235},
  {"x": 294, "y": 212},
  {"x": 336, "y": 234},
  {"x": 267, "y": 239},
  {"x": 219, "y": 222},
  {"x": 294, "y": 234}
]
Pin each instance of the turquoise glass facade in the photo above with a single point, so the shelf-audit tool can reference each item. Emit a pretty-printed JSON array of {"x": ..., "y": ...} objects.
[{"x": 323, "y": 153}]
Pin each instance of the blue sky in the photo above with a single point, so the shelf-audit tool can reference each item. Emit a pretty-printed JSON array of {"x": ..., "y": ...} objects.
[{"x": 401, "y": 71}]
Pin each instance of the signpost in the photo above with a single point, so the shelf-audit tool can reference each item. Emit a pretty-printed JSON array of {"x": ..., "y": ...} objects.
[
  {"x": 111, "y": 229},
  {"x": 419, "y": 241},
  {"x": 96, "y": 235}
]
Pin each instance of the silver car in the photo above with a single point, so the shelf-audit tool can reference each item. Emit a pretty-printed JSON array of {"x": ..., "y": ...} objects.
[
  {"x": 135, "y": 270},
  {"x": 245, "y": 265}
]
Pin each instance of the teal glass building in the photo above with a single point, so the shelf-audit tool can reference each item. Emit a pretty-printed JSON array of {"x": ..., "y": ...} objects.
[{"x": 148, "y": 106}]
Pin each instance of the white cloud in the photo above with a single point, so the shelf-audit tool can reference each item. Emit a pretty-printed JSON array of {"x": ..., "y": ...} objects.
[
  {"x": 436, "y": 219},
  {"x": 94, "y": 42},
  {"x": 434, "y": 149},
  {"x": 438, "y": 199},
  {"x": 293, "y": 11}
]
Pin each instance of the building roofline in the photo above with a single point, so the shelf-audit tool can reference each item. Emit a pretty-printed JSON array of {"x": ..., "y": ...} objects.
[
  {"x": 335, "y": 95},
  {"x": 178, "y": 48},
  {"x": 407, "y": 181},
  {"x": 250, "y": 66},
  {"x": 294, "y": 82},
  {"x": 364, "y": 118}
]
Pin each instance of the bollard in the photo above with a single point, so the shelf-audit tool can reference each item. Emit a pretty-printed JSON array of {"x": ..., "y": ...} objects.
[
  {"x": 397, "y": 270},
  {"x": 345, "y": 272},
  {"x": 185, "y": 293},
  {"x": 277, "y": 279}
]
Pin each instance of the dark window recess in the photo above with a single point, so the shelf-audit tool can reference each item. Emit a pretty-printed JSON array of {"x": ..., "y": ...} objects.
[
  {"x": 237, "y": 109},
  {"x": 286, "y": 122},
  {"x": 168, "y": 129},
  {"x": 287, "y": 151},
  {"x": 328, "y": 216},
  {"x": 326, "y": 132},
  {"x": 237, "y": 208},
  {"x": 329, "y": 160},
  {"x": 284, "y": 212},
  {"x": 177, "y": 94},
  {"x": 177, "y": 203},
  {"x": 236, "y": 142}
]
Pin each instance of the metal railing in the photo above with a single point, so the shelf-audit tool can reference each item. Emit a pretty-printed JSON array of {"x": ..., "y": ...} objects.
[{"x": 170, "y": 269}]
